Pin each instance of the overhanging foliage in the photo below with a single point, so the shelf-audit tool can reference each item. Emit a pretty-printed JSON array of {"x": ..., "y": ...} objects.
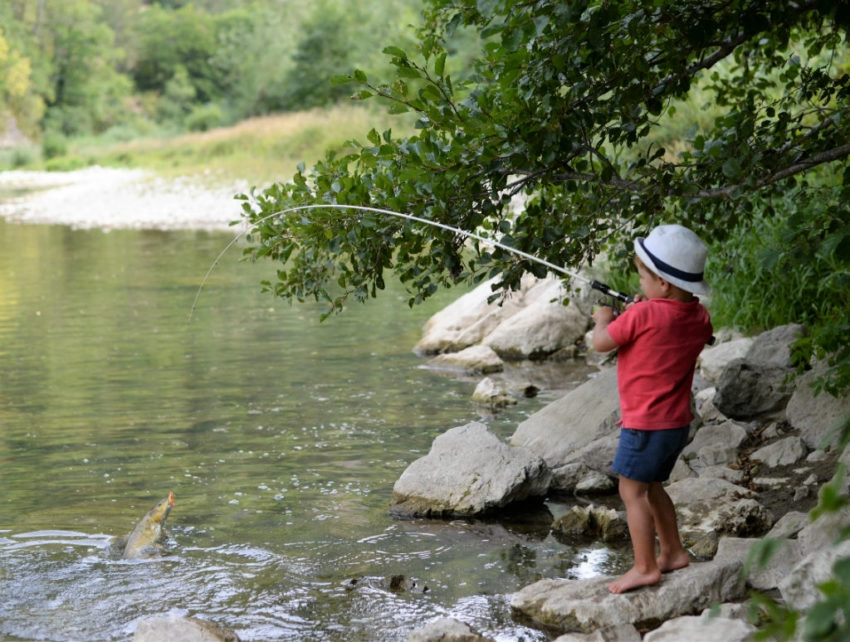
[{"x": 563, "y": 109}]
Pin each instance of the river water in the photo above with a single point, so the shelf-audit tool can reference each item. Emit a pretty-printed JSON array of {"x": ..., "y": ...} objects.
[{"x": 281, "y": 437}]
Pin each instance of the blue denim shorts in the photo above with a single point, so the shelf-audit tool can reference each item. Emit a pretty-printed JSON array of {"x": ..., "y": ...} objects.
[{"x": 649, "y": 455}]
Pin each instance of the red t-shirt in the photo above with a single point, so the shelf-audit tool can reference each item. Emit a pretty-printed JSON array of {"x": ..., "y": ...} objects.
[{"x": 658, "y": 344}]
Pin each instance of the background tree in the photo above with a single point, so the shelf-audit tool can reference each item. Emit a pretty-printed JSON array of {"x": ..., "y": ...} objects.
[
  {"x": 564, "y": 107},
  {"x": 168, "y": 41},
  {"x": 86, "y": 91}
]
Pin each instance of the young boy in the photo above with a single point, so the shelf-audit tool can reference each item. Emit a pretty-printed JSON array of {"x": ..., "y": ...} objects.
[{"x": 658, "y": 338}]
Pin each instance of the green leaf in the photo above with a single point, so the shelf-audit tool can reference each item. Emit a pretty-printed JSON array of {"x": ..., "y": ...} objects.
[{"x": 440, "y": 64}]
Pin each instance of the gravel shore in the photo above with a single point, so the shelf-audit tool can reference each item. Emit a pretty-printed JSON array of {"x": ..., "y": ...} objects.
[{"x": 106, "y": 198}]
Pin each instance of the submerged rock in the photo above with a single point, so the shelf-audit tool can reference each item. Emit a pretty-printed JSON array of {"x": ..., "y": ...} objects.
[
  {"x": 181, "y": 629},
  {"x": 447, "y": 629},
  {"x": 392, "y": 583}
]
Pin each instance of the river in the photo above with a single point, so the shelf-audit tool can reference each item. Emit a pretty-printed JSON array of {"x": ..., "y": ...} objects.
[{"x": 281, "y": 437}]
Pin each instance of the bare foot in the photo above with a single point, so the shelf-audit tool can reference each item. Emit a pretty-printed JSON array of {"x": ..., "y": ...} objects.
[
  {"x": 674, "y": 562},
  {"x": 633, "y": 579}
]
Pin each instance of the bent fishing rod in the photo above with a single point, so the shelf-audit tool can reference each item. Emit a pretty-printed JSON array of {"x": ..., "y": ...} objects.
[{"x": 596, "y": 285}]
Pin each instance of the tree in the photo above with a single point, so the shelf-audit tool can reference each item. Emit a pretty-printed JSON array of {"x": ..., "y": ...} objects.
[
  {"x": 85, "y": 92},
  {"x": 14, "y": 76},
  {"x": 564, "y": 107},
  {"x": 168, "y": 40}
]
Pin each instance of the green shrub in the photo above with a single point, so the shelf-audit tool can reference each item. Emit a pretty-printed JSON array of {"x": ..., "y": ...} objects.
[
  {"x": 204, "y": 118},
  {"x": 791, "y": 264},
  {"x": 23, "y": 156},
  {"x": 54, "y": 144},
  {"x": 64, "y": 164}
]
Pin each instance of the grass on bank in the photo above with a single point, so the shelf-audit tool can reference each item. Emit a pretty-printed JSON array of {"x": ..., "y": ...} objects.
[{"x": 259, "y": 150}]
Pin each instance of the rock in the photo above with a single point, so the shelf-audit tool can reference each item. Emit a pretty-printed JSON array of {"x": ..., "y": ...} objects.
[
  {"x": 823, "y": 533},
  {"x": 681, "y": 470},
  {"x": 757, "y": 383},
  {"x": 393, "y": 583},
  {"x": 704, "y": 403},
  {"x": 469, "y": 471},
  {"x": 470, "y": 318},
  {"x": 746, "y": 390},
  {"x": 586, "y": 605},
  {"x": 735, "y": 476},
  {"x": 594, "y": 483},
  {"x": 599, "y": 523},
  {"x": 181, "y": 629},
  {"x": 703, "y": 546},
  {"x": 816, "y": 416},
  {"x": 711, "y": 361},
  {"x": 447, "y": 629},
  {"x": 799, "y": 588},
  {"x": 773, "y": 347},
  {"x": 559, "y": 431},
  {"x": 769, "y": 576},
  {"x": 619, "y": 633},
  {"x": 715, "y": 444},
  {"x": 579, "y": 478},
  {"x": 715, "y": 505},
  {"x": 543, "y": 327},
  {"x": 490, "y": 393},
  {"x": 473, "y": 360},
  {"x": 700, "y": 628}
]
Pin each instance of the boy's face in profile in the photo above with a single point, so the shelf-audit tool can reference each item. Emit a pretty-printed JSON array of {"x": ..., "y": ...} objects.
[{"x": 650, "y": 283}]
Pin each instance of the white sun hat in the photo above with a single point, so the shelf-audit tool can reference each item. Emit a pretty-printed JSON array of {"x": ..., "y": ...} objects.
[{"x": 677, "y": 255}]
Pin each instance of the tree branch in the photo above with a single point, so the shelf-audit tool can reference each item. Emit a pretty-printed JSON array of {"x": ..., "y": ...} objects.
[{"x": 818, "y": 159}]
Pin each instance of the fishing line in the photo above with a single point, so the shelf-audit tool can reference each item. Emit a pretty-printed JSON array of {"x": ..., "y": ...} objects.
[{"x": 409, "y": 217}]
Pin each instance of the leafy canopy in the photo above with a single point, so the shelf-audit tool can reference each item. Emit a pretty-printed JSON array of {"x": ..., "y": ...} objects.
[{"x": 568, "y": 109}]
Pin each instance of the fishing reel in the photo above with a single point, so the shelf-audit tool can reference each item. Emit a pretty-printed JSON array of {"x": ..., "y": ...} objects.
[{"x": 615, "y": 296}]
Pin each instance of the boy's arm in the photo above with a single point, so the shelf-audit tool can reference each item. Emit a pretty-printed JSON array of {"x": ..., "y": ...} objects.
[{"x": 602, "y": 341}]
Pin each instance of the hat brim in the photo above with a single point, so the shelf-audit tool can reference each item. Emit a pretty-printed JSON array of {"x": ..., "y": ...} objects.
[{"x": 694, "y": 287}]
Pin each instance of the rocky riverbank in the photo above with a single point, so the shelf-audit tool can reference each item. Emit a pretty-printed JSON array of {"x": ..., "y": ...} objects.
[
  {"x": 107, "y": 198},
  {"x": 763, "y": 447}
]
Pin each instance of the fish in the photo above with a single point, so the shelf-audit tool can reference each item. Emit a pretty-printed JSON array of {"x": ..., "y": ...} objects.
[{"x": 146, "y": 538}]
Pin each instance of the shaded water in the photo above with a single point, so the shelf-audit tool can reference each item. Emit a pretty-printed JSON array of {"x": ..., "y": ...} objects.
[{"x": 280, "y": 436}]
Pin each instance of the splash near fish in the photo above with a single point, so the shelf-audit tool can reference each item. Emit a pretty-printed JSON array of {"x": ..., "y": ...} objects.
[{"x": 146, "y": 539}]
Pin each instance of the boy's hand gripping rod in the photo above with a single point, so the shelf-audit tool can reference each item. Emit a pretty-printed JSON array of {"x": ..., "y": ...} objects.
[{"x": 615, "y": 296}]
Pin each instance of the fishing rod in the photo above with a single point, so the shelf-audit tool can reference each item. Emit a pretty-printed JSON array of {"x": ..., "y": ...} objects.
[{"x": 596, "y": 285}]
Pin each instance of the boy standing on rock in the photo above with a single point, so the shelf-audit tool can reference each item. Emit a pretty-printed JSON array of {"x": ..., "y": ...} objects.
[{"x": 658, "y": 338}]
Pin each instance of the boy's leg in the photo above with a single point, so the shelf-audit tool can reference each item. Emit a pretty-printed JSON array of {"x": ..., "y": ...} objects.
[
  {"x": 639, "y": 515},
  {"x": 672, "y": 554}
]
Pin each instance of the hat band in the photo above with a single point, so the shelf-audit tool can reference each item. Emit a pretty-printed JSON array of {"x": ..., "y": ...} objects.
[{"x": 690, "y": 277}]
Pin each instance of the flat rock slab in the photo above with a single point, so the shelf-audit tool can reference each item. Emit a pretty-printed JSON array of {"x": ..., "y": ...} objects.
[{"x": 586, "y": 605}]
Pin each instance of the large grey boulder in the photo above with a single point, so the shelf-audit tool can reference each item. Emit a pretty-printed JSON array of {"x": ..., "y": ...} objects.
[
  {"x": 543, "y": 327},
  {"x": 469, "y": 471},
  {"x": 175, "y": 628},
  {"x": 469, "y": 319},
  {"x": 816, "y": 416},
  {"x": 757, "y": 384},
  {"x": 559, "y": 432},
  {"x": 587, "y": 605}
]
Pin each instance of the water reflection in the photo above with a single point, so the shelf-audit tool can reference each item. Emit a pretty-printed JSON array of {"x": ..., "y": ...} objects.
[{"x": 280, "y": 436}]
